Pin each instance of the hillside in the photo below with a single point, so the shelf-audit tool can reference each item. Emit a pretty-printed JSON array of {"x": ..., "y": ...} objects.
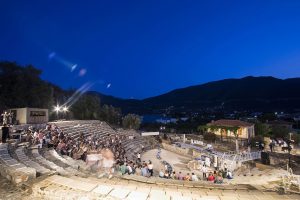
[{"x": 249, "y": 93}]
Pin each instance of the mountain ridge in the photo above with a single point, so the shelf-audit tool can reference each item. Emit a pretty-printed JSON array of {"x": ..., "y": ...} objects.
[{"x": 254, "y": 93}]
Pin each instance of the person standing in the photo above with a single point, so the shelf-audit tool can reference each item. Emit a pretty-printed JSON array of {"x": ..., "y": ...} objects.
[
  {"x": 5, "y": 117},
  {"x": 5, "y": 133},
  {"x": 204, "y": 171},
  {"x": 150, "y": 168},
  {"x": 139, "y": 157}
]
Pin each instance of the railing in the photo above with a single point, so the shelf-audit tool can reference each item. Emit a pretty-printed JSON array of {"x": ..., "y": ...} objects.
[{"x": 241, "y": 157}]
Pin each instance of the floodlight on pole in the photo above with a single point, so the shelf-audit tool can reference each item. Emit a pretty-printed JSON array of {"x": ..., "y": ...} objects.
[{"x": 57, "y": 108}]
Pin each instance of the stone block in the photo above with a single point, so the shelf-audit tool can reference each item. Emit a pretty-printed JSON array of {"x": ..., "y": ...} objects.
[
  {"x": 134, "y": 195},
  {"x": 119, "y": 193},
  {"x": 102, "y": 190}
]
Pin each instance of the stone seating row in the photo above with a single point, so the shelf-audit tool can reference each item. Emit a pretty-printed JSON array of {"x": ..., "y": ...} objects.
[
  {"x": 43, "y": 161},
  {"x": 134, "y": 146},
  {"x": 82, "y": 188},
  {"x": 69, "y": 168},
  {"x": 13, "y": 170},
  {"x": 23, "y": 158}
]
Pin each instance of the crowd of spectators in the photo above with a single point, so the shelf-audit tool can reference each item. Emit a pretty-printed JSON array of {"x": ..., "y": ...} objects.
[
  {"x": 53, "y": 137},
  {"x": 134, "y": 167},
  {"x": 215, "y": 177},
  {"x": 79, "y": 148}
]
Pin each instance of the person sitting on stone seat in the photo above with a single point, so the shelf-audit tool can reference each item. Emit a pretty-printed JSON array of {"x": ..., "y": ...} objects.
[
  {"x": 180, "y": 176},
  {"x": 187, "y": 177},
  {"x": 173, "y": 175},
  {"x": 229, "y": 175},
  {"x": 161, "y": 173},
  {"x": 219, "y": 179},
  {"x": 150, "y": 168},
  {"x": 129, "y": 169},
  {"x": 123, "y": 168},
  {"x": 211, "y": 177},
  {"x": 145, "y": 171},
  {"x": 139, "y": 170},
  {"x": 166, "y": 175},
  {"x": 194, "y": 177}
]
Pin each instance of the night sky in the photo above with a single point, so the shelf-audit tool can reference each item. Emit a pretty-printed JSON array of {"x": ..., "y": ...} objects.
[{"x": 138, "y": 49}]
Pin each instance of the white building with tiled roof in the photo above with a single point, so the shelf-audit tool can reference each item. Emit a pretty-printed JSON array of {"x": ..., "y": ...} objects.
[{"x": 224, "y": 128}]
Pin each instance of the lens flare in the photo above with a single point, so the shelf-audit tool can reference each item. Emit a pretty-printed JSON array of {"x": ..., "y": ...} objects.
[
  {"x": 82, "y": 72},
  {"x": 51, "y": 55},
  {"x": 77, "y": 94},
  {"x": 73, "y": 67}
]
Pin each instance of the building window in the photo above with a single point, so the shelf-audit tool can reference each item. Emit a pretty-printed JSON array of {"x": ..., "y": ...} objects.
[{"x": 37, "y": 113}]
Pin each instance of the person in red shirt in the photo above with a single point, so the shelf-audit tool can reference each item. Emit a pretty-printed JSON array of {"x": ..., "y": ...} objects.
[{"x": 211, "y": 177}]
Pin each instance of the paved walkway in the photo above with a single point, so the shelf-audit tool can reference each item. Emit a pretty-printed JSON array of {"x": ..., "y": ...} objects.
[
  {"x": 255, "y": 176},
  {"x": 178, "y": 162}
]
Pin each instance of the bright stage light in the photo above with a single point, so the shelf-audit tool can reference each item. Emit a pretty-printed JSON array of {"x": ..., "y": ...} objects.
[
  {"x": 57, "y": 108},
  {"x": 65, "y": 109}
]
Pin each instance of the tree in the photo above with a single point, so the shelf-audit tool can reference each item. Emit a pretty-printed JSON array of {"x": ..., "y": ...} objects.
[
  {"x": 202, "y": 129},
  {"x": 22, "y": 87},
  {"x": 111, "y": 114},
  {"x": 87, "y": 107},
  {"x": 209, "y": 137},
  {"x": 267, "y": 117},
  {"x": 261, "y": 129},
  {"x": 280, "y": 131},
  {"x": 131, "y": 121}
]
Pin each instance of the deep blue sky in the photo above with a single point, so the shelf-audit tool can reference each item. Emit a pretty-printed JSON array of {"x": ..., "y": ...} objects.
[{"x": 145, "y": 48}]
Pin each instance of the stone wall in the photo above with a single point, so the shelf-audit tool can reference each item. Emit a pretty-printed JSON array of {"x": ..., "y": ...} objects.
[
  {"x": 16, "y": 176},
  {"x": 176, "y": 149}
]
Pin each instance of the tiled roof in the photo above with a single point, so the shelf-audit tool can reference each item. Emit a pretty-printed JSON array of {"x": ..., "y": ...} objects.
[{"x": 228, "y": 122}]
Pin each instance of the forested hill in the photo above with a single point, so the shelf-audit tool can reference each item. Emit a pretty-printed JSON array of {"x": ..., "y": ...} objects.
[
  {"x": 23, "y": 87},
  {"x": 249, "y": 93}
]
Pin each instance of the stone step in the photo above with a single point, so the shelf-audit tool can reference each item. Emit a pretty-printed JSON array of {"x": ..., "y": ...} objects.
[
  {"x": 29, "y": 163},
  {"x": 55, "y": 155},
  {"x": 80, "y": 163},
  {"x": 41, "y": 160}
]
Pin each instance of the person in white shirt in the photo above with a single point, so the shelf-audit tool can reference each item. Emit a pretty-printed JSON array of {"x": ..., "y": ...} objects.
[
  {"x": 129, "y": 168},
  {"x": 139, "y": 157},
  {"x": 150, "y": 168},
  {"x": 204, "y": 171},
  {"x": 161, "y": 173},
  {"x": 194, "y": 177}
]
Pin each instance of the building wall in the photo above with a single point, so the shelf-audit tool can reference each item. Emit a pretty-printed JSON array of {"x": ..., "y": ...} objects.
[
  {"x": 31, "y": 115},
  {"x": 244, "y": 132},
  {"x": 21, "y": 116}
]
